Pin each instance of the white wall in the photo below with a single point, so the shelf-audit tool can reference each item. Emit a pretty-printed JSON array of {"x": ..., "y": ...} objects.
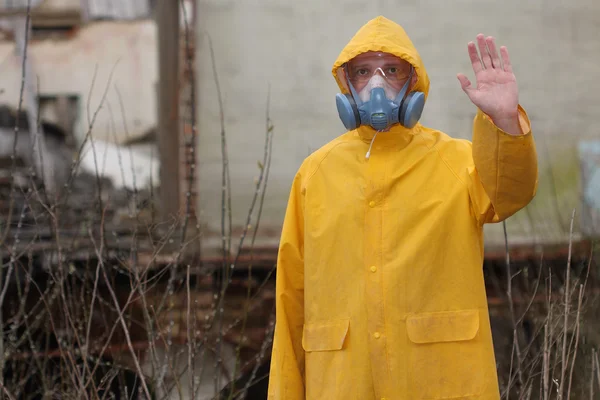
[
  {"x": 68, "y": 66},
  {"x": 292, "y": 45}
]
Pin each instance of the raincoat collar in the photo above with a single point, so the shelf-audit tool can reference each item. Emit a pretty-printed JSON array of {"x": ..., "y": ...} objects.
[{"x": 398, "y": 136}]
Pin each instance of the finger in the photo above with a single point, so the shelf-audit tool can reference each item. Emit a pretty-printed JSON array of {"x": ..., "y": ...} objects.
[
  {"x": 475, "y": 60},
  {"x": 505, "y": 59},
  {"x": 491, "y": 44},
  {"x": 465, "y": 83},
  {"x": 485, "y": 56}
]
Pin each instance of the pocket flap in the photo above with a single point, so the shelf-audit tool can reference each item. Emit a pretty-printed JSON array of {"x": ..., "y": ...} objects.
[
  {"x": 447, "y": 326},
  {"x": 325, "y": 336}
]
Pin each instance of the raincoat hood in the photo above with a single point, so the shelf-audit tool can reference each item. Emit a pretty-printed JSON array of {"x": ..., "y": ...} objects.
[{"x": 381, "y": 34}]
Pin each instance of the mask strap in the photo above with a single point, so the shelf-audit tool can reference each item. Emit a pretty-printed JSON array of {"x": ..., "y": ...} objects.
[{"x": 405, "y": 87}]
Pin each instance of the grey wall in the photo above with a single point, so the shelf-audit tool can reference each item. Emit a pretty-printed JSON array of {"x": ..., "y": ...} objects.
[{"x": 291, "y": 46}]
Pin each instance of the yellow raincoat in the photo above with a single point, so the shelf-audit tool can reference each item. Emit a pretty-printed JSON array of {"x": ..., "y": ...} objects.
[{"x": 380, "y": 289}]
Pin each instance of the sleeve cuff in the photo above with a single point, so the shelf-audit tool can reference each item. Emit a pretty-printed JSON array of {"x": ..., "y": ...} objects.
[{"x": 524, "y": 122}]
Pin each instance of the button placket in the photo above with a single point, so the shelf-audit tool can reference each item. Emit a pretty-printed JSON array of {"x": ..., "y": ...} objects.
[{"x": 373, "y": 285}]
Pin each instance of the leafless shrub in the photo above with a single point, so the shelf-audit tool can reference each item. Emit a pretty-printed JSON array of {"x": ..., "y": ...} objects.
[
  {"x": 93, "y": 306},
  {"x": 552, "y": 339}
]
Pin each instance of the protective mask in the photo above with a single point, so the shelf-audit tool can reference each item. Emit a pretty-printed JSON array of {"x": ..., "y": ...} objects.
[{"x": 377, "y": 106}]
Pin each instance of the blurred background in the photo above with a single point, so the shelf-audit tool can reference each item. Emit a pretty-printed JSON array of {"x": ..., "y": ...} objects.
[{"x": 147, "y": 149}]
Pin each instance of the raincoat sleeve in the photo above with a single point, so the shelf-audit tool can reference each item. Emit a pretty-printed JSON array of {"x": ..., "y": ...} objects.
[
  {"x": 286, "y": 380},
  {"x": 505, "y": 173}
]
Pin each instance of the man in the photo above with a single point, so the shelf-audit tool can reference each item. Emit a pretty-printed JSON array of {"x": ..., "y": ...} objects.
[{"x": 380, "y": 289}]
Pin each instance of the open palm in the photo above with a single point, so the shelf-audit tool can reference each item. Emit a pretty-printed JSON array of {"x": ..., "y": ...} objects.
[{"x": 496, "y": 93}]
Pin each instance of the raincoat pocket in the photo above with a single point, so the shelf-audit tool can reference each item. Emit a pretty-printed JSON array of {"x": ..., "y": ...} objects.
[
  {"x": 323, "y": 343},
  {"x": 446, "y": 357}
]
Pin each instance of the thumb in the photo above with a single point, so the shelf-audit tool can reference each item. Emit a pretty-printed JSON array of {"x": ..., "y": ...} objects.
[{"x": 465, "y": 83}]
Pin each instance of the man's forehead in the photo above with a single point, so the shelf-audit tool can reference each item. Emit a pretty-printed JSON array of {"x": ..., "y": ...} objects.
[{"x": 376, "y": 56}]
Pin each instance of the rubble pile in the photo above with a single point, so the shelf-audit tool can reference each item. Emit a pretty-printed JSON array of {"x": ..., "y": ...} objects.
[
  {"x": 33, "y": 220},
  {"x": 90, "y": 222}
]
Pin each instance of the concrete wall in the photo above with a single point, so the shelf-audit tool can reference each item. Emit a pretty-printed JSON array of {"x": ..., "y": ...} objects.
[
  {"x": 67, "y": 66},
  {"x": 292, "y": 45}
]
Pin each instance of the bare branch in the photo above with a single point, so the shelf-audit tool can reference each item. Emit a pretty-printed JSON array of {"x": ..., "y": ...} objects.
[
  {"x": 516, "y": 345},
  {"x": 565, "y": 357},
  {"x": 577, "y": 325},
  {"x": 125, "y": 329}
]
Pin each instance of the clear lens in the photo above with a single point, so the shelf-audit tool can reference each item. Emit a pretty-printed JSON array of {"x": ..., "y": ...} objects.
[{"x": 363, "y": 67}]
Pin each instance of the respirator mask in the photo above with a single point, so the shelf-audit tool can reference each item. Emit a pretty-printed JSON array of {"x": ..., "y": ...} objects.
[{"x": 381, "y": 99}]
